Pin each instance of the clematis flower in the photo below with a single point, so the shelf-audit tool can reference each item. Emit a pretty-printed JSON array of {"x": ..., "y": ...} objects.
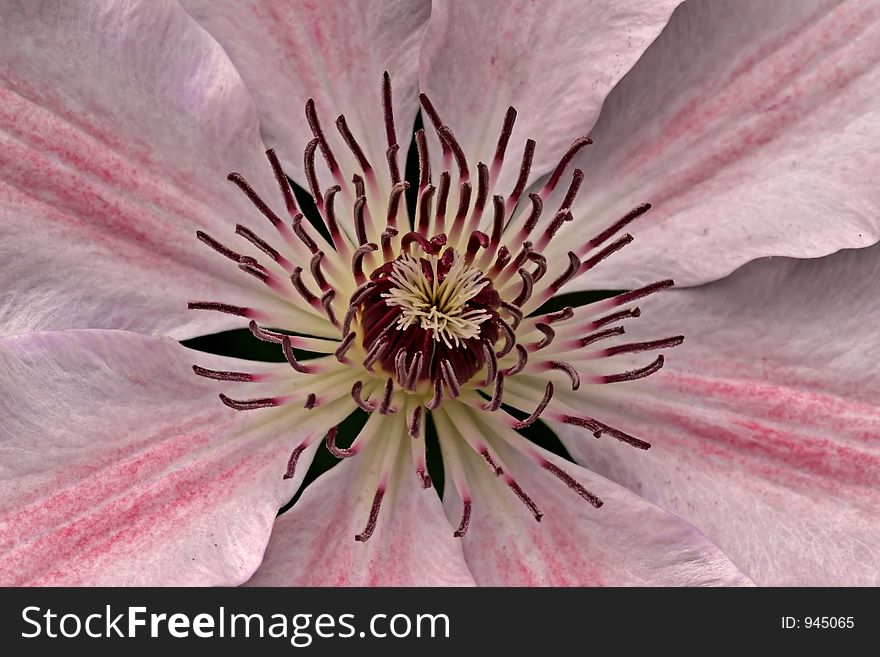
[{"x": 742, "y": 131}]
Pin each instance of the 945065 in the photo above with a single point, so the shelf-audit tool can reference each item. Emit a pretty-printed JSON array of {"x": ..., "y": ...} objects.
[{"x": 818, "y": 622}]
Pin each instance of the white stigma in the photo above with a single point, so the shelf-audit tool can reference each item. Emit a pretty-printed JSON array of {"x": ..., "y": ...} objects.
[{"x": 438, "y": 307}]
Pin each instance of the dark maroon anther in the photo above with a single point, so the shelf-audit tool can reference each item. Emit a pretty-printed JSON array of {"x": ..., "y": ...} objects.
[
  {"x": 482, "y": 189},
  {"x": 465, "y": 519},
  {"x": 291, "y": 462},
  {"x": 548, "y": 332},
  {"x": 525, "y": 499},
  {"x": 357, "y": 261},
  {"x": 522, "y": 357},
  {"x": 487, "y": 456},
  {"x": 424, "y": 161},
  {"x": 385, "y": 404},
  {"x": 360, "y": 226},
  {"x": 338, "y": 452},
  {"x": 414, "y": 426},
  {"x": 264, "y": 334},
  {"x": 414, "y": 373},
  {"x": 447, "y": 135},
  {"x": 509, "y": 338},
  {"x": 249, "y": 404},
  {"x": 644, "y": 346},
  {"x": 578, "y": 144},
  {"x": 359, "y": 187},
  {"x": 218, "y": 247},
  {"x": 315, "y": 125},
  {"x": 257, "y": 271},
  {"x": 260, "y": 243},
  {"x": 635, "y": 213},
  {"x": 283, "y": 183},
  {"x": 514, "y": 312},
  {"x": 394, "y": 203},
  {"x": 311, "y": 401},
  {"x": 497, "y": 218},
  {"x": 400, "y": 365},
  {"x": 642, "y": 292},
  {"x": 574, "y": 264},
  {"x": 555, "y": 224},
  {"x": 424, "y": 478},
  {"x": 375, "y": 353},
  {"x": 300, "y": 231},
  {"x": 412, "y": 237},
  {"x": 425, "y": 197},
  {"x": 525, "y": 168},
  {"x": 534, "y": 215},
  {"x": 287, "y": 348},
  {"x": 633, "y": 375},
  {"x": 464, "y": 202},
  {"x": 573, "y": 484},
  {"x": 311, "y": 173},
  {"x": 327, "y": 305},
  {"x": 531, "y": 419},
  {"x": 599, "y": 429},
  {"x": 437, "y": 397},
  {"x": 522, "y": 256},
  {"x": 344, "y": 346},
  {"x": 222, "y": 375},
  {"x": 241, "y": 311},
  {"x": 300, "y": 286},
  {"x": 503, "y": 140},
  {"x": 576, "y": 179},
  {"x": 501, "y": 260},
  {"x": 560, "y": 315},
  {"x": 497, "y": 394},
  {"x": 330, "y": 216},
  {"x": 528, "y": 284},
  {"x": 351, "y": 142},
  {"x": 390, "y": 131},
  {"x": 491, "y": 363},
  {"x": 478, "y": 240},
  {"x": 572, "y": 373},
  {"x": 541, "y": 267},
  {"x": 254, "y": 198},
  {"x": 315, "y": 268},
  {"x": 430, "y": 110},
  {"x": 450, "y": 379},
  {"x": 616, "y": 317},
  {"x": 374, "y": 515},
  {"x": 598, "y": 257},
  {"x": 442, "y": 199},
  {"x": 600, "y": 335},
  {"x": 356, "y": 389}
]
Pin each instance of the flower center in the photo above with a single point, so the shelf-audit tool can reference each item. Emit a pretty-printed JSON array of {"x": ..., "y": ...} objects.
[{"x": 447, "y": 321}]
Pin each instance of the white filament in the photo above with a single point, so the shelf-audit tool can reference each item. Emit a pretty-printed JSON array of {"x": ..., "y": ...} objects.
[{"x": 437, "y": 307}]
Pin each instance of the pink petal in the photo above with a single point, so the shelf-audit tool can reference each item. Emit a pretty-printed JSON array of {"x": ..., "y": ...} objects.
[
  {"x": 765, "y": 423},
  {"x": 118, "y": 124},
  {"x": 313, "y": 543},
  {"x": 335, "y": 52},
  {"x": 753, "y": 128},
  {"x": 626, "y": 542},
  {"x": 553, "y": 61},
  {"x": 119, "y": 466}
]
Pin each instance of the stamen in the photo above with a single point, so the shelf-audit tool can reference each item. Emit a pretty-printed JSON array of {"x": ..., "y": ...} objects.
[
  {"x": 522, "y": 359},
  {"x": 576, "y": 179},
  {"x": 450, "y": 379},
  {"x": 241, "y": 311},
  {"x": 301, "y": 233},
  {"x": 599, "y": 429},
  {"x": 221, "y": 375},
  {"x": 484, "y": 452},
  {"x": 291, "y": 462},
  {"x": 531, "y": 419},
  {"x": 497, "y": 394},
  {"x": 357, "y": 261},
  {"x": 351, "y": 142},
  {"x": 600, "y": 335},
  {"x": 374, "y": 514},
  {"x": 261, "y": 244},
  {"x": 614, "y": 317},
  {"x": 317, "y": 274},
  {"x": 414, "y": 426},
  {"x": 615, "y": 246},
  {"x": 283, "y": 183},
  {"x": 356, "y": 389},
  {"x": 437, "y": 398},
  {"x": 503, "y": 140},
  {"x": 338, "y": 452},
  {"x": 360, "y": 226},
  {"x": 327, "y": 304},
  {"x": 315, "y": 125},
  {"x": 578, "y": 144},
  {"x": 264, "y": 334},
  {"x": 425, "y": 197},
  {"x": 442, "y": 198},
  {"x": 311, "y": 401},
  {"x": 385, "y": 404},
  {"x": 390, "y": 131},
  {"x": 465, "y": 519},
  {"x": 491, "y": 363},
  {"x": 424, "y": 162},
  {"x": 524, "y": 170},
  {"x": 574, "y": 264},
  {"x": 541, "y": 265},
  {"x": 572, "y": 483},
  {"x": 528, "y": 284},
  {"x": 218, "y": 247},
  {"x": 300, "y": 286},
  {"x": 515, "y": 313},
  {"x": 311, "y": 174},
  {"x": 525, "y": 499},
  {"x": 446, "y": 134},
  {"x": 428, "y": 106},
  {"x": 569, "y": 370},
  {"x": 287, "y": 348},
  {"x": 254, "y": 198},
  {"x": 394, "y": 204},
  {"x": 636, "y": 212},
  {"x": 548, "y": 332},
  {"x": 644, "y": 346},
  {"x": 560, "y": 315},
  {"x": 249, "y": 404},
  {"x": 344, "y": 346},
  {"x": 633, "y": 375}
]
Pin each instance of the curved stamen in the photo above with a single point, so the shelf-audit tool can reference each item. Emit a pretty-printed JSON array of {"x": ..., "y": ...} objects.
[{"x": 531, "y": 419}]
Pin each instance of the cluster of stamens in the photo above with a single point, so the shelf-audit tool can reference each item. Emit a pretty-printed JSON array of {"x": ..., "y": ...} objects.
[{"x": 437, "y": 315}]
